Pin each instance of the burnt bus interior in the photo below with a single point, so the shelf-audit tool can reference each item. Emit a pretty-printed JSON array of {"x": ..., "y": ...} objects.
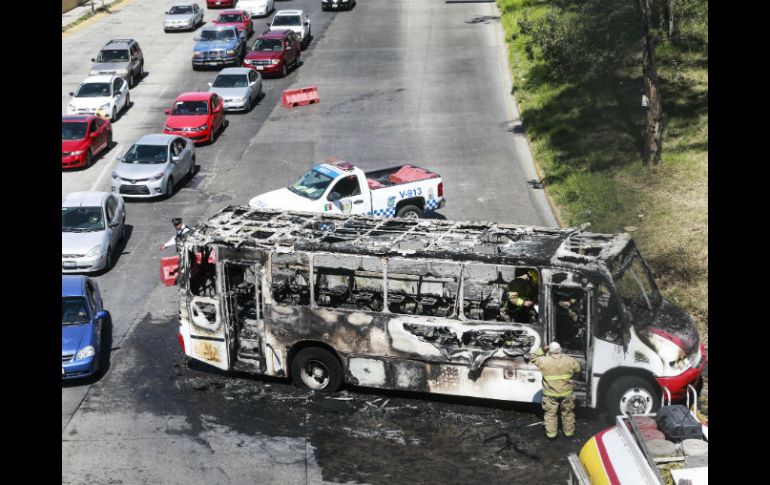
[{"x": 398, "y": 266}]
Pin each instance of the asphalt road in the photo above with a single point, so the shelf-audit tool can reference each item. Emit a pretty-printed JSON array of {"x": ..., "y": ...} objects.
[{"x": 404, "y": 81}]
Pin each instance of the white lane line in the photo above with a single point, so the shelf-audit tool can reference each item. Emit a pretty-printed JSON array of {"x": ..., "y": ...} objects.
[{"x": 107, "y": 167}]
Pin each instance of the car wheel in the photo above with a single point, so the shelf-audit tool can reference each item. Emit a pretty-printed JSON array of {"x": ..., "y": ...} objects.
[
  {"x": 128, "y": 103},
  {"x": 123, "y": 230},
  {"x": 283, "y": 70},
  {"x": 631, "y": 395},
  {"x": 169, "y": 187},
  {"x": 248, "y": 104},
  {"x": 409, "y": 212},
  {"x": 191, "y": 171},
  {"x": 89, "y": 158},
  {"x": 108, "y": 262},
  {"x": 297, "y": 60},
  {"x": 114, "y": 114},
  {"x": 317, "y": 369},
  {"x": 109, "y": 141}
]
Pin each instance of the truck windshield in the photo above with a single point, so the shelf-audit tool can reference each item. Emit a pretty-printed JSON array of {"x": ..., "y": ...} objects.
[
  {"x": 312, "y": 185},
  {"x": 636, "y": 288}
]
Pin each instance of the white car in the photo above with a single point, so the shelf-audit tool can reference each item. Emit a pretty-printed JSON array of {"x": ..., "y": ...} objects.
[
  {"x": 92, "y": 225},
  {"x": 296, "y": 20},
  {"x": 257, "y": 8},
  {"x": 100, "y": 95},
  {"x": 183, "y": 16}
]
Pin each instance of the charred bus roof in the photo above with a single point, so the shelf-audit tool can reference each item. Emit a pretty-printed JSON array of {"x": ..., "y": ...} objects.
[{"x": 486, "y": 242}]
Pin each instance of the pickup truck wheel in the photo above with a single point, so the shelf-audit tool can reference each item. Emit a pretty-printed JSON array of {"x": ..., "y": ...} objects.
[
  {"x": 409, "y": 212},
  {"x": 631, "y": 395},
  {"x": 317, "y": 369}
]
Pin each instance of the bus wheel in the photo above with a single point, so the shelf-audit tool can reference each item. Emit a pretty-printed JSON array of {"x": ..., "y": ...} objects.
[
  {"x": 317, "y": 369},
  {"x": 632, "y": 395}
]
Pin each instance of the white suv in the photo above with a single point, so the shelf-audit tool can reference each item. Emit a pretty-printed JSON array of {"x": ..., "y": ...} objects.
[{"x": 296, "y": 20}]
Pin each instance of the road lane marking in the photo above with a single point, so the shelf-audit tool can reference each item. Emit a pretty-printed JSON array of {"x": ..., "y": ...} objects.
[{"x": 107, "y": 166}]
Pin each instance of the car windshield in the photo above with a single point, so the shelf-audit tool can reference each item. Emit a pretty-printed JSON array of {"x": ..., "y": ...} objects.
[
  {"x": 229, "y": 17},
  {"x": 93, "y": 90},
  {"x": 113, "y": 55},
  {"x": 231, "y": 81},
  {"x": 636, "y": 288},
  {"x": 267, "y": 45},
  {"x": 146, "y": 154},
  {"x": 82, "y": 219},
  {"x": 211, "y": 35},
  {"x": 73, "y": 131},
  {"x": 182, "y": 108},
  {"x": 312, "y": 185},
  {"x": 287, "y": 20},
  {"x": 180, "y": 10},
  {"x": 74, "y": 311}
]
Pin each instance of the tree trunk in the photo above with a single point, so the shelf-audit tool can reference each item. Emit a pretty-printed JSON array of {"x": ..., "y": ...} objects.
[
  {"x": 673, "y": 20},
  {"x": 653, "y": 133}
]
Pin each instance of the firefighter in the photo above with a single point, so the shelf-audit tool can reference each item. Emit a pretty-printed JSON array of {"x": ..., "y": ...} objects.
[
  {"x": 520, "y": 299},
  {"x": 557, "y": 369},
  {"x": 181, "y": 229}
]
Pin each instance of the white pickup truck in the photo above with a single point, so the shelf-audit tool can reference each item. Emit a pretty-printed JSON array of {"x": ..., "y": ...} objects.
[{"x": 340, "y": 187}]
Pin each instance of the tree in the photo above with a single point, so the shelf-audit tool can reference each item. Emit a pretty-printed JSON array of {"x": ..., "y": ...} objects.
[{"x": 653, "y": 133}]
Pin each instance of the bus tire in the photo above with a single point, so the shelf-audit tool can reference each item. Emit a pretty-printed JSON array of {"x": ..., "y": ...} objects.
[
  {"x": 632, "y": 395},
  {"x": 317, "y": 369},
  {"x": 410, "y": 212}
]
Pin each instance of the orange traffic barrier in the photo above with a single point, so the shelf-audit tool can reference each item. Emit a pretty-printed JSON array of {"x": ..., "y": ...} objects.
[
  {"x": 168, "y": 268},
  {"x": 300, "y": 97}
]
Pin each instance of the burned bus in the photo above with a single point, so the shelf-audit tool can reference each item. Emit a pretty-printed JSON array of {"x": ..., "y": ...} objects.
[{"x": 419, "y": 305}]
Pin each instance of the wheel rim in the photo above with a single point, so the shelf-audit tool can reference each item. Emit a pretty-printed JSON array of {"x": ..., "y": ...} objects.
[
  {"x": 636, "y": 401},
  {"x": 410, "y": 215},
  {"x": 315, "y": 375}
]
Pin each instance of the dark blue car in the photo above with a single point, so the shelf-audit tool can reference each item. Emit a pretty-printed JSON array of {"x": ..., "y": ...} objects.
[
  {"x": 219, "y": 46},
  {"x": 82, "y": 321}
]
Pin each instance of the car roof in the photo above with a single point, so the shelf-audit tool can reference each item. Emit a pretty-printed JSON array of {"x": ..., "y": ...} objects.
[
  {"x": 155, "y": 139},
  {"x": 73, "y": 285},
  {"x": 218, "y": 27},
  {"x": 194, "y": 96},
  {"x": 230, "y": 11},
  {"x": 119, "y": 44},
  {"x": 288, "y": 12},
  {"x": 99, "y": 79},
  {"x": 85, "y": 199},
  {"x": 235, "y": 70},
  {"x": 275, "y": 34},
  {"x": 83, "y": 118}
]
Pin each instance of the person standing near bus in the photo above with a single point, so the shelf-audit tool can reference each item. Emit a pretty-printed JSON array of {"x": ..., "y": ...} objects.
[
  {"x": 520, "y": 299},
  {"x": 557, "y": 369},
  {"x": 181, "y": 229}
]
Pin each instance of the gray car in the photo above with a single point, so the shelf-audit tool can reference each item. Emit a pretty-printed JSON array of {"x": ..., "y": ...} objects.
[
  {"x": 153, "y": 166},
  {"x": 183, "y": 16},
  {"x": 93, "y": 223},
  {"x": 121, "y": 57},
  {"x": 239, "y": 87}
]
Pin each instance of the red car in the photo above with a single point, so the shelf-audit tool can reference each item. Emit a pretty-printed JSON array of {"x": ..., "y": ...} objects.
[
  {"x": 82, "y": 138},
  {"x": 197, "y": 116},
  {"x": 274, "y": 53},
  {"x": 221, "y": 3},
  {"x": 239, "y": 19}
]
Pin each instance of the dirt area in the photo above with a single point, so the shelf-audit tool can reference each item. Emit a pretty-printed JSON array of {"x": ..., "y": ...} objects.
[{"x": 358, "y": 435}]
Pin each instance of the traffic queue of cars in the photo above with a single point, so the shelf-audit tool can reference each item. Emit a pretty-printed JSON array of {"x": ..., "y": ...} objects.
[{"x": 93, "y": 223}]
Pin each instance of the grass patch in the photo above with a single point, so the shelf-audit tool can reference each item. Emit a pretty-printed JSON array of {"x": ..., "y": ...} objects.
[{"x": 586, "y": 136}]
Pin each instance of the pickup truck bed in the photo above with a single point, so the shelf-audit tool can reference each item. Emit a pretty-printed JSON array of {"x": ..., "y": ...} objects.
[{"x": 388, "y": 177}]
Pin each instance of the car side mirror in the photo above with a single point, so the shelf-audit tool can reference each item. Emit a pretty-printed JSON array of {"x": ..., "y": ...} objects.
[
  {"x": 333, "y": 197},
  {"x": 166, "y": 12},
  {"x": 167, "y": 111},
  {"x": 114, "y": 224},
  {"x": 72, "y": 93},
  {"x": 93, "y": 59},
  {"x": 101, "y": 315},
  {"x": 175, "y": 159},
  {"x": 93, "y": 135},
  {"x": 196, "y": 39},
  {"x": 210, "y": 84},
  {"x": 268, "y": 24}
]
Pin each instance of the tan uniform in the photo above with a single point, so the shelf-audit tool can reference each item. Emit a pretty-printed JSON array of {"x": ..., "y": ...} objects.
[{"x": 557, "y": 370}]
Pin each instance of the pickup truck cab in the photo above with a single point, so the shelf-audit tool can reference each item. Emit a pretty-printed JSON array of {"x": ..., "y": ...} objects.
[
  {"x": 219, "y": 45},
  {"x": 342, "y": 188}
]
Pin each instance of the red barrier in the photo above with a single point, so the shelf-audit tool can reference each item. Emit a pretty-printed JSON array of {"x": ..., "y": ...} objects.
[
  {"x": 168, "y": 268},
  {"x": 299, "y": 97}
]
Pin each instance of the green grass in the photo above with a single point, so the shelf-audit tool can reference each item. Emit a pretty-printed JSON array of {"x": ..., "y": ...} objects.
[{"x": 586, "y": 137}]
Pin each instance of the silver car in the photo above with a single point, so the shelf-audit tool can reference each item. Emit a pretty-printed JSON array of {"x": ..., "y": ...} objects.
[
  {"x": 92, "y": 225},
  {"x": 153, "y": 166},
  {"x": 239, "y": 87},
  {"x": 183, "y": 16}
]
